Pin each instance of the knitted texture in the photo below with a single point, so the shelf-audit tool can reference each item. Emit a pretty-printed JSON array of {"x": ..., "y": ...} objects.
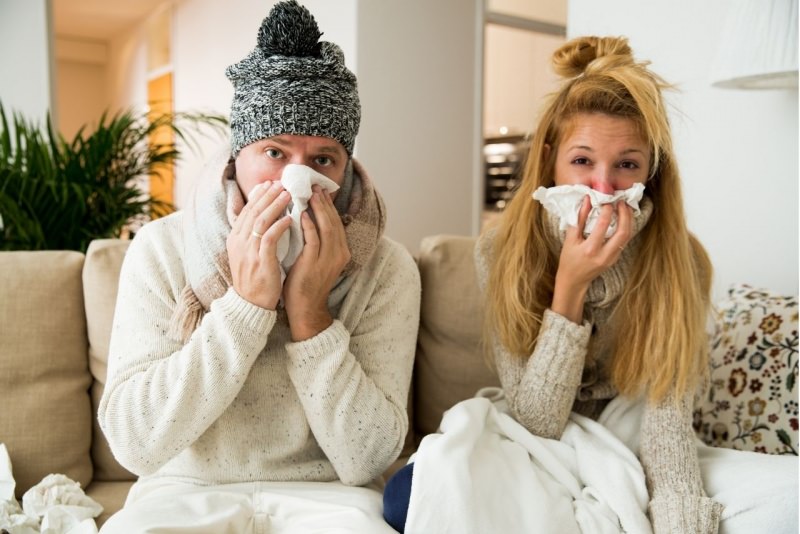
[
  {"x": 293, "y": 84},
  {"x": 565, "y": 373},
  {"x": 232, "y": 398},
  {"x": 240, "y": 401},
  {"x": 210, "y": 215}
]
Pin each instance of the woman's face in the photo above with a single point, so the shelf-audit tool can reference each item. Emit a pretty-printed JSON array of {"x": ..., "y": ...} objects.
[
  {"x": 603, "y": 152},
  {"x": 264, "y": 160}
]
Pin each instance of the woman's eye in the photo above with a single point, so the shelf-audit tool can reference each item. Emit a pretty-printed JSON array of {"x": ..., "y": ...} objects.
[
  {"x": 324, "y": 161},
  {"x": 273, "y": 153},
  {"x": 580, "y": 161},
  {"x": 629, "y": 165}
]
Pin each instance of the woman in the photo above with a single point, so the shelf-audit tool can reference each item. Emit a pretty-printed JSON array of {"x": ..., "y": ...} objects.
[
  {"x": 613, "y": 305},
  {"x": 644, "y": 291}
]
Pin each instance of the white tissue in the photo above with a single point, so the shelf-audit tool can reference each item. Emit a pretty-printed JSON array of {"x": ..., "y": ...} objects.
[
  {"x": 12, "y": 518},
  {"x": 56, "y": 505},
  {"x": 565, "y": 202},
  {"x": 60, "y": 502},
  {"x": 7, "y": 482},
  {"x": 297, "y": 180}
]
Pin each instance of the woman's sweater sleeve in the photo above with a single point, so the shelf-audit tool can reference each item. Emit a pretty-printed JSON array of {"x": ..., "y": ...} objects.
[
  {"x": 160, "y": 394},
  {"x": 353, "y": 378},
  {"x": 540, "y": 389},
  {"x": 668, "y": 452}
]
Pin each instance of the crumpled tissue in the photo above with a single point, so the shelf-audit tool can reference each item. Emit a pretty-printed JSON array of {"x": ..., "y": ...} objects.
[
  {"x": 56, "y": 505},
  {"x": 297, "y": 181},
  {"x": 564, "y": 201}
]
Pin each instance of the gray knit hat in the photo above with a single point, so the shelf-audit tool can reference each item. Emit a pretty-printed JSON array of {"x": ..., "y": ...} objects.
[{"x": 293, "y": 84}]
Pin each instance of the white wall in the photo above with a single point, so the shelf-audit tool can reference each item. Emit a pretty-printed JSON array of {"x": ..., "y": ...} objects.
[
  {"x": 419, "y": 81},
  {"x": 26, "y": 62},
  {"x": 126, "y": 73},
  {"x": 552, "y": 11},
  {"x": 524, "y": 57},
  {"x": 82, "y": 96},
  {"x": 737, "y": 150}
]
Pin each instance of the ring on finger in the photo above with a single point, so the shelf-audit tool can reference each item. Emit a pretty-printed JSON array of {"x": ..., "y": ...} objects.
[{"x": 256, "y": 234}]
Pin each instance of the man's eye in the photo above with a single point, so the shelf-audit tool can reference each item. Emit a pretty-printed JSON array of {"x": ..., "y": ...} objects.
[
  {"x": 273, "y": 153},
  {"x": 324, "y": 161}
]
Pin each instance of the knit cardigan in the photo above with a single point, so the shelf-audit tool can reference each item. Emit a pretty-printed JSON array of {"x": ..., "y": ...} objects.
[
  {"x": 561, "y": 375},
  {"x": 240, "y": 401}
]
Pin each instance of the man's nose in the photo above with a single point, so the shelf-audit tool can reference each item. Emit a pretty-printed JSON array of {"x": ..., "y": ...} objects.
[{"x": 298, "y": 159}]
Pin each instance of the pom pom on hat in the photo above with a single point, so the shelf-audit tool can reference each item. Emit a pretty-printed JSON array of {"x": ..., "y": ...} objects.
[
  {"x": 289, "y": 30},
  {"x": 293, "y": 83}
]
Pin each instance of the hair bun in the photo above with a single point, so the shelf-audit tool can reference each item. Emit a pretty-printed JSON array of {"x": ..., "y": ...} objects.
[
  {"x": 289, "y": 30},
  {"x": 573, "y": 58}
]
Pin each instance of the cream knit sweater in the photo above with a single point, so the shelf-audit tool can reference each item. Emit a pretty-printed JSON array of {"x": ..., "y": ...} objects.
[
  {"x": 543, "y": 389},
  {"x": 240, "y": 401}
]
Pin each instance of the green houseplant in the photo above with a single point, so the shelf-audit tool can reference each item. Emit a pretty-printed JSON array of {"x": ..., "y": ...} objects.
[{"x": 60, "y": 194}]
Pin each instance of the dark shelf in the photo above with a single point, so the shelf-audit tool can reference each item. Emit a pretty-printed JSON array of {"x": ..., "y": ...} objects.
[{"x": 503, "y": 158}]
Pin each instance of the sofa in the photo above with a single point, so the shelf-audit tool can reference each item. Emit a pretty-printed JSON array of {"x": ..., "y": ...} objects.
[{"x": 56, "y": 310}]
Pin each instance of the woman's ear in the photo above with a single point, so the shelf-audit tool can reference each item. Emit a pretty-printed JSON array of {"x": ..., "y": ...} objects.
[{"x": 546, "y": 151}]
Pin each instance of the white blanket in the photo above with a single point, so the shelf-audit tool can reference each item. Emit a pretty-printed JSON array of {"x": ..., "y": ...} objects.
[{"x": 484, "y": 472}]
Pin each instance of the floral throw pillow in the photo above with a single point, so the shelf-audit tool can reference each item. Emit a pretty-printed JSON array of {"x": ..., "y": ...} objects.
[{"x": 751, "y": 403}]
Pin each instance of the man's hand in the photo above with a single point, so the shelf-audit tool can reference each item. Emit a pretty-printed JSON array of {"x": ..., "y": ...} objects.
[
  {"x": 311, "y": 278},
  {"x": 252, "y": 245}
]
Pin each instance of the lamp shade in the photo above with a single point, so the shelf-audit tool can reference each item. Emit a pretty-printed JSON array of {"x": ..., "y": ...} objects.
[{"x": 758, "y": 46}]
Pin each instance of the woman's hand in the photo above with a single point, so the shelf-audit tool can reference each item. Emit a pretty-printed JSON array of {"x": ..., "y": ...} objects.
[
  {"x": 311, "y": 278},
  {"x": 254, "y": 262},
  {"x": 584, "y": 259}
]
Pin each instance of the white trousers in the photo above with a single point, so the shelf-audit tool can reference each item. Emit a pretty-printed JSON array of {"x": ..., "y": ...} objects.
[{"x": 172, "y": 507}]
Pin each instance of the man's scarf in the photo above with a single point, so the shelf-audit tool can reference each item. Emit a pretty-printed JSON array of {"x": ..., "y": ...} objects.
[{"x": 210, "y": 215}]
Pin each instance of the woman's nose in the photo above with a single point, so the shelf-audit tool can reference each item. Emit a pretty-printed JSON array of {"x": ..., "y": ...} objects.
[{"x": 602, "y": 182}]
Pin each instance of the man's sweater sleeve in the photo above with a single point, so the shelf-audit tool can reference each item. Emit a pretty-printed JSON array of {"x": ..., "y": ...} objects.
[
  {"x": 353, "y": 378},
  {"x": 161, "y": 395},
  {"x": 678, "y": 502}
]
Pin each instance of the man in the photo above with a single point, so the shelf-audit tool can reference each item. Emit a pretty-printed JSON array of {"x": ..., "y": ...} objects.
[{"x": 248, "y": 390}]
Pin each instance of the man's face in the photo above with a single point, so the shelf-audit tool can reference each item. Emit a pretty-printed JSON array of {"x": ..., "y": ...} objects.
[{"x": 264, "y": 160}]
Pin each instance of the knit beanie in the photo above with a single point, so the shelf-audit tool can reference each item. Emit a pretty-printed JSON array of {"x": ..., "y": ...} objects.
[{"x": 292, "y": 83}]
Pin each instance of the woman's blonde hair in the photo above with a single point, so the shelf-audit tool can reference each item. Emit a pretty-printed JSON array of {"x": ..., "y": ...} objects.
[{"x": 663, "y": 308}]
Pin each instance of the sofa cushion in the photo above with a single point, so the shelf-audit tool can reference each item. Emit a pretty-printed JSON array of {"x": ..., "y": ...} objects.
[
  {"x": 751, "y": 403},
  {"x": 110, "y": 495},
  {"x": 450, "y": 364},
  {"x": 46, "y": 420},
  {"x": 100, "y": 280}
]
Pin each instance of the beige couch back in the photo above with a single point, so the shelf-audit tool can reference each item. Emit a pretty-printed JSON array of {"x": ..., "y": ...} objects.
[
  {"x": 46, "y": 417},
  {"x": 450, "y": 364},
  {"x": 58, "y": 306}
]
